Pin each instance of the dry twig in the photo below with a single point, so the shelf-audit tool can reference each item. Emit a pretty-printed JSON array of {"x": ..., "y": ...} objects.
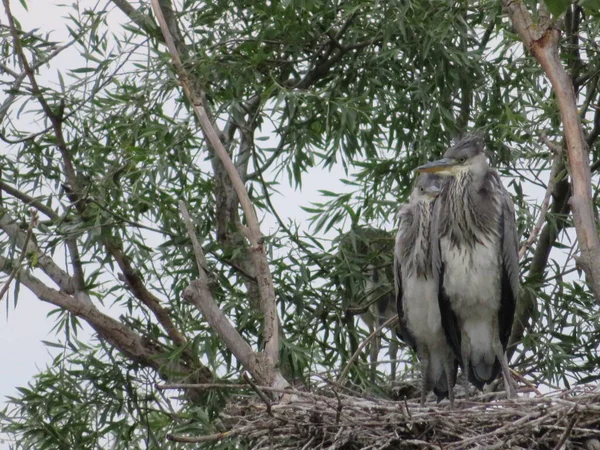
[
  {"x": 315, "y": 422},
  {"x": 388, "y": 323}
]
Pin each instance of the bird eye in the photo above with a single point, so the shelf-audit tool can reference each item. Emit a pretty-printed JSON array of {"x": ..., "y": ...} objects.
[
  {"x": 462, "y": 160},
  {"x": 421, "y": 189}
]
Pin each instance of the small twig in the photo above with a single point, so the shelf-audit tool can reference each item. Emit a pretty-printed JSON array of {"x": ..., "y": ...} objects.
[
  {"x": 388, "y": 323},
  {"x": 557, "y": 152},
  {"x": 338, "y": 414},
  {"x": 198, "y": 253},
  {"x": 567, "y": 432},
  {"x": 32, "y": 224},
  {"x": 198, "y": 439},
  {"x": 261, "y": 394},
  {"x": 526, "y": 381}
]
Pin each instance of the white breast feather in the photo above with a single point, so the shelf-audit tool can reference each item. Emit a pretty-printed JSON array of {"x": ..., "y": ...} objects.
[{"x": 472, "y": 282}]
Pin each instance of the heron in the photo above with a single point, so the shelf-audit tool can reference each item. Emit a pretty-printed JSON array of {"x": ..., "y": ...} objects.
[
  {"x": 475, "y": 260},
  {"x": 416, "y": 292}
]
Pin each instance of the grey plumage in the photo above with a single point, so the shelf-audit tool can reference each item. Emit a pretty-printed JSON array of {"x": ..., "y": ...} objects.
[
  {"x": 416, "y": 292},
  {"x": 475, "y": 260}
]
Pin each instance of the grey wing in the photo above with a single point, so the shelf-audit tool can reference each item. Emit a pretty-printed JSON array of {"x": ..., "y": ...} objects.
[
  {"x": 449, "y": 320},
  {"x": 402, "y": 330},
  {"x": 510, "y": 268}
]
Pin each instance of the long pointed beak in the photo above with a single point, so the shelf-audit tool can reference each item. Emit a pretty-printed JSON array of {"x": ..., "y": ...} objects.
[
  {"x": 437, "y": 166},
  {"x": 434, "y": 191}
]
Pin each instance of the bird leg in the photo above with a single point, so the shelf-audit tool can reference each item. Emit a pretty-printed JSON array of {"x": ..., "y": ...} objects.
[
  {"x": 393, "y": 352},
  {"x": 450, "y": 377},
  {"x": 427, "y": 384},
  {"x": 465, "y": 350},
  {"x": 508, "y": 381},
  {"x": 374, "y": 353}
]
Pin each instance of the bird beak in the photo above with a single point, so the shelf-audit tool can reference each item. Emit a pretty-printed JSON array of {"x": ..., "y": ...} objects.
[
  {"x": 433, "y": 191},
  {"x": 442, "y": 166}
]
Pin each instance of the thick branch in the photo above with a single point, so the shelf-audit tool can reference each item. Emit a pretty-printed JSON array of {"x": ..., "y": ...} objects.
[
  {"x": 263, "y": 273},
  {"x": 114, "y": 332},
  {"x": 32, "y": 224},
  {"x": 200, "y": 295},
  {"x": 542, "y": 40},
  {"x": 139, "y": 18}
]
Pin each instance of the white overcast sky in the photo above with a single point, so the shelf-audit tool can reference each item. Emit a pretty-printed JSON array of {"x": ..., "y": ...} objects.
[{"x": 23, "y": 328}]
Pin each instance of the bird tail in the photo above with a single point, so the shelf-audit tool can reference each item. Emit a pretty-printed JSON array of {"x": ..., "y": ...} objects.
[
  {"x": 482, "y": 373},
  {"x": 438, "y": 375}
]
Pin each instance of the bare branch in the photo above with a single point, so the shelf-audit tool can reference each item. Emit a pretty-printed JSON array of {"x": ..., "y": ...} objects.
[
  {"x": 253, "y": 233},
  {"x": 140, "y": 19},
  {"x": 542, "y": 40},
  {"x": 141, "y": 292},
  {"x": 557, "y": 152},
  {"x": 198, "y": 252}
]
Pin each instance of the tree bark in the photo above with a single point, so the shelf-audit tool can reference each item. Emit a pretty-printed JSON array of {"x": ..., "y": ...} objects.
[{"x": 542, "y": 40}]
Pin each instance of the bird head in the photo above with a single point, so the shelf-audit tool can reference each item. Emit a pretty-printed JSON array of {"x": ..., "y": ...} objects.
[
  {"x": 427, "y": 187},
  {"x": 467, "y": 155}
]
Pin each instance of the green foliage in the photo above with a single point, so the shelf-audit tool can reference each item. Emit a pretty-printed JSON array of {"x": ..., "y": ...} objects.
[{"x": 370, "y": 89}]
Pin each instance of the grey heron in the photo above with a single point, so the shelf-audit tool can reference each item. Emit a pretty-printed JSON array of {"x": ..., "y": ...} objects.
[
  {"x": 416, "y": 292},
  {"x": 475, "y": 260}
]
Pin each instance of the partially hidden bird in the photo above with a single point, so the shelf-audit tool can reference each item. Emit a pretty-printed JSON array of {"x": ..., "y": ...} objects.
[
  {"x": 417, "y": 292},
  {"x": 474, "y": 256}
]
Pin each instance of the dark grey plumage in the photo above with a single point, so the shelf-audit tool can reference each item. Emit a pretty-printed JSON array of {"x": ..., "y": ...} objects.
[
  {"x": 475, "y": 260},
  {"x": 416, "y": 292}
]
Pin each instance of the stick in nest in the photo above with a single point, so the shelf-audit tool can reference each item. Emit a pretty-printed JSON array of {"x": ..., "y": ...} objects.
[{"x": 388, "y": 323}]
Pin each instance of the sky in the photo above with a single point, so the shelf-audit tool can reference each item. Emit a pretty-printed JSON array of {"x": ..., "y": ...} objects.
[{"x": 24, "y": 327}]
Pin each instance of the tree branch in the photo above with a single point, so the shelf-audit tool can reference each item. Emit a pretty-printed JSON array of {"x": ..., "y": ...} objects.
[
  {"x": 199, "y": 294},
  {"x": 557, "y": 152},
  {"x": 114, "y": 332},
  {"x": 55, "y": 120},
  {"x": 32, "y": 224},
  {"x": 388, "y": 323},
  {"x": 142, "y": 20},
  {"x": 253, "y": 233},
  {"x": 542, "y": 40},
  {"x": 75, "y": 195},
  {"x": 62, "y": 279},
  {"x": 29, "y": 201},
  {"x": 143, "y": 294}
]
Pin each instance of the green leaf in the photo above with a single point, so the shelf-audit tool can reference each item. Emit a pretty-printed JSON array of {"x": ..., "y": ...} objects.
[{"x": 557, "y": 7}]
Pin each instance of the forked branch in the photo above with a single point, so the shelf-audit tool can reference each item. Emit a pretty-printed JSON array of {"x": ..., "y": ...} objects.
[
  {"x": 200, "y": 295},
  {"x": 263, "y": 274}
]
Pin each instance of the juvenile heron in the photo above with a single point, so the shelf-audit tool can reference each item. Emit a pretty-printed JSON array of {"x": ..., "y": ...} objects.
[
  {"x": 416, "y": 292},
  {"x": 474, "y": 258}
]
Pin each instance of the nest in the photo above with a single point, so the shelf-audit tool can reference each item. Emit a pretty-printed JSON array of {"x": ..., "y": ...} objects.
[{"x": 328, "y": 419}]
